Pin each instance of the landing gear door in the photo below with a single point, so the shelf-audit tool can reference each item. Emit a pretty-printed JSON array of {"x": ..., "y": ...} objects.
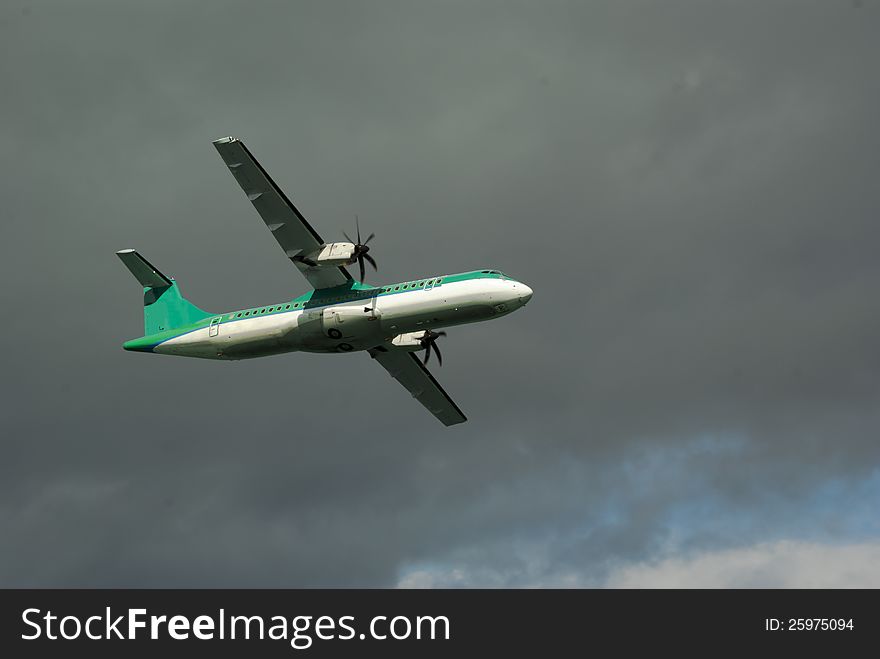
[
  {"x": 330, "y": 321},
  {"x": 329, "y": 318}
]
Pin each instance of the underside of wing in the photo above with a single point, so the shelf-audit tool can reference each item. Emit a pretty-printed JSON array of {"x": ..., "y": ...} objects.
[
  {"x": 295, "y": 235},
  {"x": 406, "y": 368}
]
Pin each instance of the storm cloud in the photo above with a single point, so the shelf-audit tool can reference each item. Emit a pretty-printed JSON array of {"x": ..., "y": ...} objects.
[{"x": 690, "y": 188}]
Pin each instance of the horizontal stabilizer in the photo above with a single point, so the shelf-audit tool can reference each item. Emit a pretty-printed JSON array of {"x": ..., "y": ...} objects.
[
  {"x": 143, "y": 270},
  {"x": 164, "y": 307}
]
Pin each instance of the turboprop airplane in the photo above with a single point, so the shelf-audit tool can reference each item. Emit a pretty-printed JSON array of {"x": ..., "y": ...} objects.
[{"x": 339, "y": 315}]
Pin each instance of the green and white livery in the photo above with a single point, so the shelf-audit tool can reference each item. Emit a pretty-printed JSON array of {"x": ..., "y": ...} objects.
[{"x": 339, "y": 315}]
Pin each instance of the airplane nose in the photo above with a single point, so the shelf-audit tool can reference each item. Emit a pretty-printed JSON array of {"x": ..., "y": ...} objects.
[{"x": 525, "y": 293}]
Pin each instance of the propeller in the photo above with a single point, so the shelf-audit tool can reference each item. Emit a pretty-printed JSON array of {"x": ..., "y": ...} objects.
[
  {"x": 361, "y": 249},
  {"x": 429, "y": 341}
]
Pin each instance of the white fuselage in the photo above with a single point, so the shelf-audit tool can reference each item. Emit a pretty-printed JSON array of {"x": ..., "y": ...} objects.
[{"x": 351, "y": 325}]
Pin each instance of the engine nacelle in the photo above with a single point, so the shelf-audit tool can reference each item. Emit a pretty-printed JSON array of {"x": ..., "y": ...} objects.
[
  {"x": 409, "y": 342},
  {"x": 331, "y": 254}
]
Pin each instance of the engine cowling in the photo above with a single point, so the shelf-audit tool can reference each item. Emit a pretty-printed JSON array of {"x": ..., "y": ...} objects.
[
  {"x": 425, "y": 340},
  {"x": 329, "y": 255},
  {"x": 409, "y": 342}
]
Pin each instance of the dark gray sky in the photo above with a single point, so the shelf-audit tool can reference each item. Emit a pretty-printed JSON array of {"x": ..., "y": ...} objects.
[{"x": 690, "y": 188}]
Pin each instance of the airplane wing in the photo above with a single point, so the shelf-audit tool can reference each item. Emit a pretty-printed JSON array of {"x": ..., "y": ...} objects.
[
  {"x": 288, "y": 226},
  {"x": 407, "y": 369}
]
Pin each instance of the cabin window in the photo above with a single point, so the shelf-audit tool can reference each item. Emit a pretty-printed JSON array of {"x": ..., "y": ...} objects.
[
  {"x": 262, "y": 311},
  {"x": 397, "y": 288},
  {"x": 287, "y": 307}
]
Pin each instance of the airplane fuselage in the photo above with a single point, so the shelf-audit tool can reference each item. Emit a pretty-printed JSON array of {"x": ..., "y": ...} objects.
[
  {"x": 345, "y": 318},
  {"x": 338, "y": 315}
]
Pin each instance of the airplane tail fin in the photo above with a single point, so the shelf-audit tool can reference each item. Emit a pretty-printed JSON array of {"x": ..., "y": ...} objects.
[{"x": 164, "y": 307}]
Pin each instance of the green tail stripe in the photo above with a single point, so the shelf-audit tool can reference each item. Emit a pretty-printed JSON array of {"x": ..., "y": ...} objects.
[{"x": 165, "y": 309}]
